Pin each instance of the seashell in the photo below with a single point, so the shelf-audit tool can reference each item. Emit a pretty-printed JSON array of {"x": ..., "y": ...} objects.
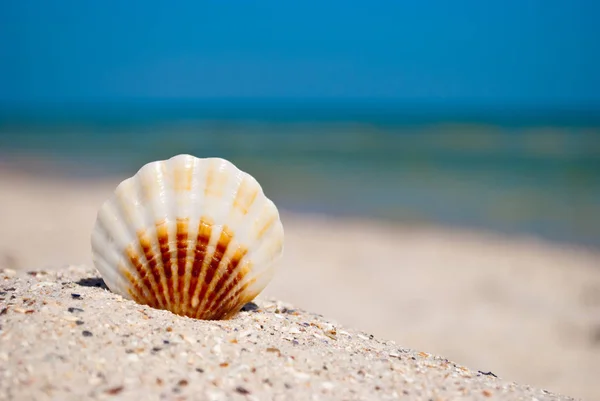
[{"x": 197, "y": 237}]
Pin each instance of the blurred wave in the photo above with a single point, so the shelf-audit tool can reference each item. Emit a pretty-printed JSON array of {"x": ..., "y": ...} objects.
[{"x": 517, "y": 172}]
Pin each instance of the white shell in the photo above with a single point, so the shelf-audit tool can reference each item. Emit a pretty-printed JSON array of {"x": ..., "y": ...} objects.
[{"x": 197, "y": 237}]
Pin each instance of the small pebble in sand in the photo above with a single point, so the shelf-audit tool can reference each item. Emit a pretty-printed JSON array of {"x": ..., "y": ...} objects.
[
  {"x": 114, "y": 390},
  {"x": 242, "y": 390},
  {"x": 86, "y": 333}
]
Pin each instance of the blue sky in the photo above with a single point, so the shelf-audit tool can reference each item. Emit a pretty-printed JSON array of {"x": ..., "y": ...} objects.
[{"x": 499, "y": 52}]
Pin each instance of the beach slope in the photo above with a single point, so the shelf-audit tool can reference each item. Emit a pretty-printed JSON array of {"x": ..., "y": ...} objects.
[{"x": 64, "y": 336}]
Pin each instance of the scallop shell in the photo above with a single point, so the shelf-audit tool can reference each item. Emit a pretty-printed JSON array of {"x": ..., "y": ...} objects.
[{"x": 197, "y": 237}]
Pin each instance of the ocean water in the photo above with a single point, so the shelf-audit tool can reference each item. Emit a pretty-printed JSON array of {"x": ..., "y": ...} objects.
[{"x": 517, "y": 171}]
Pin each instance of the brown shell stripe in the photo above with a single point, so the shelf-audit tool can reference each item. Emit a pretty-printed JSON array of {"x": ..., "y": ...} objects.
[
  {"x": 228, "y": 300},
  {"x": 136, "y": 290},
  {"x": 222, "y": 245},
  {"x": 162, "y": 235},
  {"x": 144, "y": 277},
  {"x": 234, "y": 300},
  {"x": 152, "y": 259},
  {"x": 244, "y": 199},
  {"x": 182, "y": 248},
  {"x": 241, "y": 301},
  {"x": 237, "y": 294},
  {"x": 234, "y": 274},
  {"x": 267, "y": 226},
  {"x": 200, "y": 253}
]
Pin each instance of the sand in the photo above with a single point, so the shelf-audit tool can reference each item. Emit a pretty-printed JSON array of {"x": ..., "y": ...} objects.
[
  {"x": 525, "y": 309},
  {"x": 65, "y": 337}
]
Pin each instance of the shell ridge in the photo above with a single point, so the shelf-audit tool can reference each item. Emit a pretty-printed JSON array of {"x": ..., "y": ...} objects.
[
  {"x": 231, "y": 247},
  {"x": 194, "y": 225},
  {"x": 222, "y": 261},
  {"x": 119, "y": 222},
  {"x": 252, "y": 213},
  {"x": 182, "y": 246},
  {"x": 181, "y": 168},
  {"x": 161, "y": 179},
  {"x": 230, "y": 289},
  {"x": 235, "y": 300},
  {"x": 227, "y": 237},
  {"x": 216, "y": 205},
  {"x": 122, "y": 280},
  {"x": 169, "y": 248},
  {"x": 134, "y": 250},
  {"x": 245, "y": 283},
  {"x": 238, "y": 281},
  {"x": 148, "y": 239},
  {"x": 208, "y": 252},
  {"x": 265, "y": 239},
  {"x": 112, "y": 279},
  {"x": 212, "y": 268},
  {"x": 135, "y": 256},
  {"x": 201, "y": 269},
  {"x": 99, "y": 234},
  {"x": 253, "y": 276},
  {"x": 232, "y": 264}
]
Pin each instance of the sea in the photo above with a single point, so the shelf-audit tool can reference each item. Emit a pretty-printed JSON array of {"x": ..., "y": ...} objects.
[{"x": 515, "y": 170}]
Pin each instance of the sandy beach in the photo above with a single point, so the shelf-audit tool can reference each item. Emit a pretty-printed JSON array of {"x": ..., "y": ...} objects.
[
  {"x": 96, "y": 345},
  {"x": 524, "y": 309}
]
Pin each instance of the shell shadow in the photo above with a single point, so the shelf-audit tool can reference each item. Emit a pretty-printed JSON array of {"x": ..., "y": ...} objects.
[
  {"x": 250, "y": 307},
  {"x": 92, "y": 282}
]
